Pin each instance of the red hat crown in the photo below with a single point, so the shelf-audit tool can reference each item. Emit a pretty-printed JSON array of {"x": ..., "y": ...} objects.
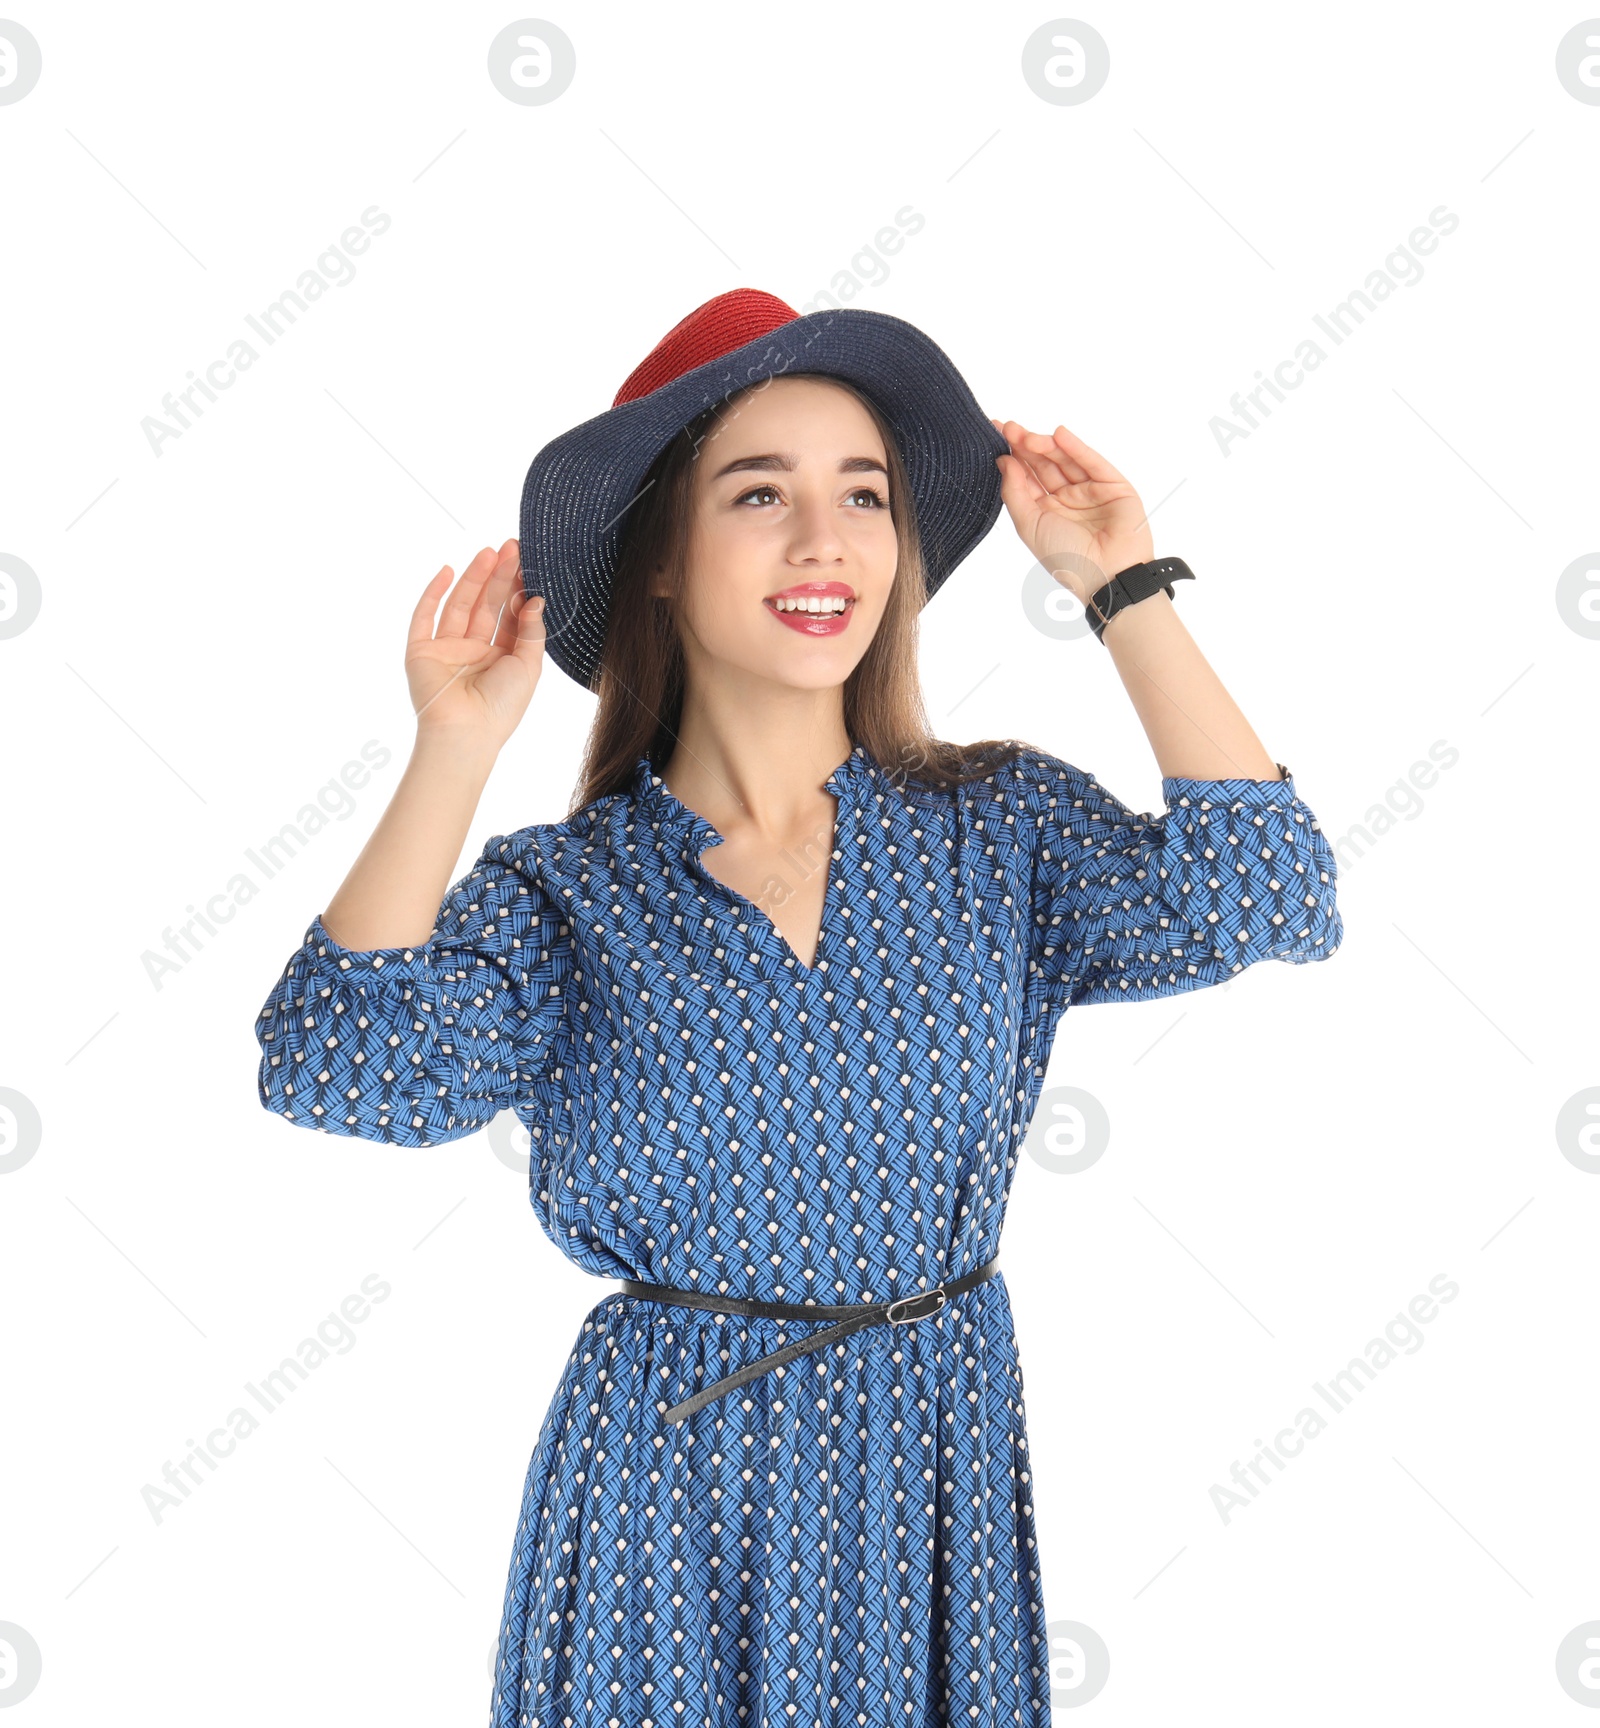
[{"x": 718, "y": 327}]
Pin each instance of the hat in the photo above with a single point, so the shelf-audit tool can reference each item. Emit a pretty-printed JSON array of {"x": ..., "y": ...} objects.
[{"x": 580, "y": 486}]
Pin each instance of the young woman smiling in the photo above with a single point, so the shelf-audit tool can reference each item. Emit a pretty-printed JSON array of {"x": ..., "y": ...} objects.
[{"x": 775, "y": 1002}]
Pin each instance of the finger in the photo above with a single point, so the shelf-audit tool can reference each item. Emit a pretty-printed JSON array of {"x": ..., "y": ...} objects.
[
  {"x": 1018, "y": 487},
  {"x": 421, "y": 627},
  {"x": 464, "y": 596},
  {"x": 1094, "y": 465},
  {"x": 530, "y": 632},
  {"x": 1025, "y": 447},
  {"x": 493, "y": 595},
  {"x": 505, "y": 635},
  {"x": 1035, "y": 451},
  {"x": 459, "y": 602},
  {"x": 1054, "y": 467}
]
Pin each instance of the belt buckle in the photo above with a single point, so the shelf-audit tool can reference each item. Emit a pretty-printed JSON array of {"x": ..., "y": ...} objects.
[{"x": 921, "y": 1296}]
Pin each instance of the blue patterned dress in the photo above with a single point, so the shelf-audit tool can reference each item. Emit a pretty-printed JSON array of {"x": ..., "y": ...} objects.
[{"x": 849, "y": 1538}]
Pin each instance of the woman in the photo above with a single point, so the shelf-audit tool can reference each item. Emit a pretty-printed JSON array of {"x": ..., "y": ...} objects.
[{"x": 775, "y": 1002}]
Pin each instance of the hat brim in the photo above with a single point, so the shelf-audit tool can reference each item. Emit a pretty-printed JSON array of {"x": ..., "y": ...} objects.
[{"x": 582, "y": 484}]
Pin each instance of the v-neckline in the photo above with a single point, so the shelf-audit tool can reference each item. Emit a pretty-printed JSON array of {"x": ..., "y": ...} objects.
[{"x": 705, "y": 835}]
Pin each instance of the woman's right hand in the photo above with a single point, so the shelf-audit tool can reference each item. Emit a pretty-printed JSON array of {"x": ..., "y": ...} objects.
[{"x": 474, "y": 673}]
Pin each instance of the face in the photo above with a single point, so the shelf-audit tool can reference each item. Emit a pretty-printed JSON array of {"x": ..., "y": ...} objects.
[{"x": 792, "y": 548}]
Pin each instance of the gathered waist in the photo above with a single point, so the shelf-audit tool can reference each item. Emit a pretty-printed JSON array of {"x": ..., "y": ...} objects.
[{"x": 850, "y": 1317}]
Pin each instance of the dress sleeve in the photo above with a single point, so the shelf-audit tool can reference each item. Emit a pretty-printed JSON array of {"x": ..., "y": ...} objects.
[
  {"x": 417, "y": 1046},
  {"x": 1126, "y": 907}
]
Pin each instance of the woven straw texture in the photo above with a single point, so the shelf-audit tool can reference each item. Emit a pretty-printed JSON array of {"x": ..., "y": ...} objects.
[
  {"x": 581, "y": 486},
  {"x": 720, "y": 326}
]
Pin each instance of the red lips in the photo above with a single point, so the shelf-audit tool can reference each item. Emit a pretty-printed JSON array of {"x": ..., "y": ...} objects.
[
  {"x": 814, "y": 623},
  {"x": 802, "y": 590}
]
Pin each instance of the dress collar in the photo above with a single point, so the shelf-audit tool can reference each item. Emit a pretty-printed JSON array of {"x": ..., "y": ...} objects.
[{"x": 650, "y": 791}]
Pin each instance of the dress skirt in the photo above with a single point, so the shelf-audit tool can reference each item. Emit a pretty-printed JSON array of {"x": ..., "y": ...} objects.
[{"x": 846, "y": 1540}]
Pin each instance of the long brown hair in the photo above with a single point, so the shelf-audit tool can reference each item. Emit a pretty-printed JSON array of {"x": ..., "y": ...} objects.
[{"x": 640, "y": 680}]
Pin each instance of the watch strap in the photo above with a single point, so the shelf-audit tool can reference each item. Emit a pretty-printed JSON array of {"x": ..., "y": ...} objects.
[{"x": 1128, "y": 587}]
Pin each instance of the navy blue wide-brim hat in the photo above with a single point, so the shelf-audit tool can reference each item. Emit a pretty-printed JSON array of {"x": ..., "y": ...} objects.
[{"x": 578, "y": 491}]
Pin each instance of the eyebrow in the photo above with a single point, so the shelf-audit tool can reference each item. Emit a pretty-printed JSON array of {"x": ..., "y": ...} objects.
[{"x": 787, "y": 463}]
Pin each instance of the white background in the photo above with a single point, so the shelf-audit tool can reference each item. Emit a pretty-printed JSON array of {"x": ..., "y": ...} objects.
[{"x": 1292, "y": 1157}]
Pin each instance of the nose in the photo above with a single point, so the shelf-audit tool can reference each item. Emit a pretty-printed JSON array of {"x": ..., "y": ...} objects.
[{"x": 814, "y": 536}]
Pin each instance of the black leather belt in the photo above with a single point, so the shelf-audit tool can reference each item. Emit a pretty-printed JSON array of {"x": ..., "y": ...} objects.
[{"x": 920, "y": 1305}]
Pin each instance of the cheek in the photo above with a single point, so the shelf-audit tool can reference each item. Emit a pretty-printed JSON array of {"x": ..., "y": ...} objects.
[
  {"x": 718, "y": 543},
  {"x": 879, "y": 549},
  {"x": 717, "y": 595}
]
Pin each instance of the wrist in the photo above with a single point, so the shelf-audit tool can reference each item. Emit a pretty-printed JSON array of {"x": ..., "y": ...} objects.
[
  {"x": 1116, "y": 627},
  {"x": 1131, "y": 587},
  {"x": 460, "y": 749}
]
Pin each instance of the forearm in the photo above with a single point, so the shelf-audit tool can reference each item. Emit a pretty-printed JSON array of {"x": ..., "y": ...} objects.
[
  {"x": 1194, "y": 726},
  {"x": 393, "y": 891}
]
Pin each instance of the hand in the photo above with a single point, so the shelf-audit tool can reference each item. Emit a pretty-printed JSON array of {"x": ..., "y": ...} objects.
[
  {"x": 1073, "y": 511},
  {"x": 477, "y": 671}
]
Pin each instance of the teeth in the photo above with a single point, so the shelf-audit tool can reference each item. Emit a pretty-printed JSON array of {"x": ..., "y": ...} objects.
[{"x": 829, "y": 605}]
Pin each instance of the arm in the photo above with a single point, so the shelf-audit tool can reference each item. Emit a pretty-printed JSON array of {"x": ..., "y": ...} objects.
[
  {"x": 470, "y": 684},
  {"x": 417, "y": 1045},
  {"x": 392, "y": 891},
  {"x": 406, "y": 1016},
  {"x": 1236, "y": 869},
  {"x": 1194, "y": 726},
  {"x": 1083, "y": 521},
  {"x": 1128, "y": 907}
]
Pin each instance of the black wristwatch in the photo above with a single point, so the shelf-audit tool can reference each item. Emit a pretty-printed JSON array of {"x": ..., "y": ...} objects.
[{"x": 1128, "y": 587}]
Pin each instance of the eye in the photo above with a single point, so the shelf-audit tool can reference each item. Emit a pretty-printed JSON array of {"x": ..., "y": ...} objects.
[{"x": 876, "y": 500}]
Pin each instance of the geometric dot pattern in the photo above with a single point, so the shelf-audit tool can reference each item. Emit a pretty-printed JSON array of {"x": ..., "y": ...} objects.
[{"x": 847, "y": 1539}]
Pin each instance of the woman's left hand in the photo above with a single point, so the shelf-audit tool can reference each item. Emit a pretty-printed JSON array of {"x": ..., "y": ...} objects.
[{"x": 1073, "y": 511}]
